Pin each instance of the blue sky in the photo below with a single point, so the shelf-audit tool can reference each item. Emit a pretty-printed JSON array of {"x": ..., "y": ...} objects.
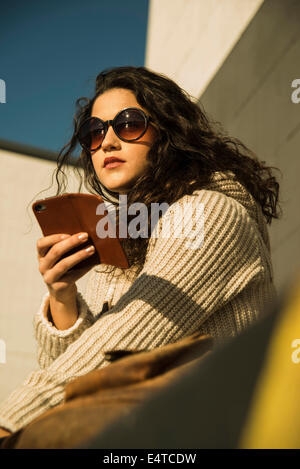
[{"x": 50, "y": 54}]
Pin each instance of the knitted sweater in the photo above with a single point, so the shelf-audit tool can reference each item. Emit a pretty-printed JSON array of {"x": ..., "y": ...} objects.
[{"x": 220, "y": 288}]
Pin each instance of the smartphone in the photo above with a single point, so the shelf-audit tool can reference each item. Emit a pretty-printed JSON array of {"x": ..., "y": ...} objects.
[{"x": 72, "y": 213}]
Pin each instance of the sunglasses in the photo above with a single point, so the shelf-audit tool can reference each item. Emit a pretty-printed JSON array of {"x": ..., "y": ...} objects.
[{"x": 129, "y": 125}]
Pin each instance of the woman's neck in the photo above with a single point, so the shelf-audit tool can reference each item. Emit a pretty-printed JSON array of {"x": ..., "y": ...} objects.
[{"x": 111, "y": 196}]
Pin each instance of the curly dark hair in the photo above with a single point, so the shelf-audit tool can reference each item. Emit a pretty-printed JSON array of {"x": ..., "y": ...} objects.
[{"x": 189, "y": 147}]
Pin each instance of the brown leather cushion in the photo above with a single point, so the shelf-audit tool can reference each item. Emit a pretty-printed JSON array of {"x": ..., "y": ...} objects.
[{"x": 93, "y": 401}]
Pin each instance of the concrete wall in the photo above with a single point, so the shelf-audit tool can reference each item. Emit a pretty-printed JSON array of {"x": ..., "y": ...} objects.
[
  {"x": 21, "y": 284},
  {"x": 189, "y": 39}
]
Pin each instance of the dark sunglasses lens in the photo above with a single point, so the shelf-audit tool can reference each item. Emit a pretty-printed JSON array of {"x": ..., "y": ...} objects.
[
  {"x": 130, "y": 124},
  {"x": 91, "y": 134}
]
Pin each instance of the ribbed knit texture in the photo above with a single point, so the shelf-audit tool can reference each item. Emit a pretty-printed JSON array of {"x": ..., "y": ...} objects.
[{"x": 219, "y": 288}]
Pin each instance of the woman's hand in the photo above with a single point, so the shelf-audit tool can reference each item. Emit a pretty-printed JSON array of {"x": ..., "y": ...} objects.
[
  {"x": 60, "y": 282},
  {"x": 4, "y": 433}
]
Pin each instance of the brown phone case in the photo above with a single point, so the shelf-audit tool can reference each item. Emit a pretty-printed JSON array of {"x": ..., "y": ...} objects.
[{"x": 71, "y": 213}]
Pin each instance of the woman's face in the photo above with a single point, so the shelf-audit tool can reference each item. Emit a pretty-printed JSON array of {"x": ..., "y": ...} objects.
[{"x": 121, "y": 177}]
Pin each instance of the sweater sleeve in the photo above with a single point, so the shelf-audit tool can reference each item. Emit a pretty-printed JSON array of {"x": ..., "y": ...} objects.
[
  {"x": 184, "y": 280},
  {"x": 52, "y": 342}
]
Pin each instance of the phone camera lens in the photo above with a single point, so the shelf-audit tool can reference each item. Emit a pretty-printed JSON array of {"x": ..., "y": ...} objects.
[{"x": 40, "y": 207}]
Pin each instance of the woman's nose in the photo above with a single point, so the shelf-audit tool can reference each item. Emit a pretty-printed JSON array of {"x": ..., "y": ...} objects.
[{"x": 110, "y": 140}]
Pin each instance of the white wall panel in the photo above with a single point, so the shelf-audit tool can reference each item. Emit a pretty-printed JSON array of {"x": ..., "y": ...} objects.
[{"x": 188, "y": 40}]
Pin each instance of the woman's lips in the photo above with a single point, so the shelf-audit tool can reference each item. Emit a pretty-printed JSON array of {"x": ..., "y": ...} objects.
[{"x": 113, "y": 164}]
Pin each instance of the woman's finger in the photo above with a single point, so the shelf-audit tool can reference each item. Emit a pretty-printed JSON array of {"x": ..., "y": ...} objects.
[
  {"x": 61, "y": 249},
  {"x": 69, "y": 277},
  {"x": 55, "y": 273},
  {"x": 44, "y": 244}
]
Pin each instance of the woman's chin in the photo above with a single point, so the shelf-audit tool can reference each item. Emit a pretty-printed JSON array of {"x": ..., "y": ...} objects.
[{"x": 120, "y": 188}]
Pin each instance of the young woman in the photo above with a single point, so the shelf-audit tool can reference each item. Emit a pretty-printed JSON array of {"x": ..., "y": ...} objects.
[{"x": 216, "y": 278}]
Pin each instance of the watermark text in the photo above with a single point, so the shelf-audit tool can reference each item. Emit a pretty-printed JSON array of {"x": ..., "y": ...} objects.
[
  {"x": 295, "y": 96},
  {"x": 185, "y": 221},
  {"x": 296, "y": 353},
  {"x": 2, "y": 351},
  {"x": 2, "y": 91}
]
